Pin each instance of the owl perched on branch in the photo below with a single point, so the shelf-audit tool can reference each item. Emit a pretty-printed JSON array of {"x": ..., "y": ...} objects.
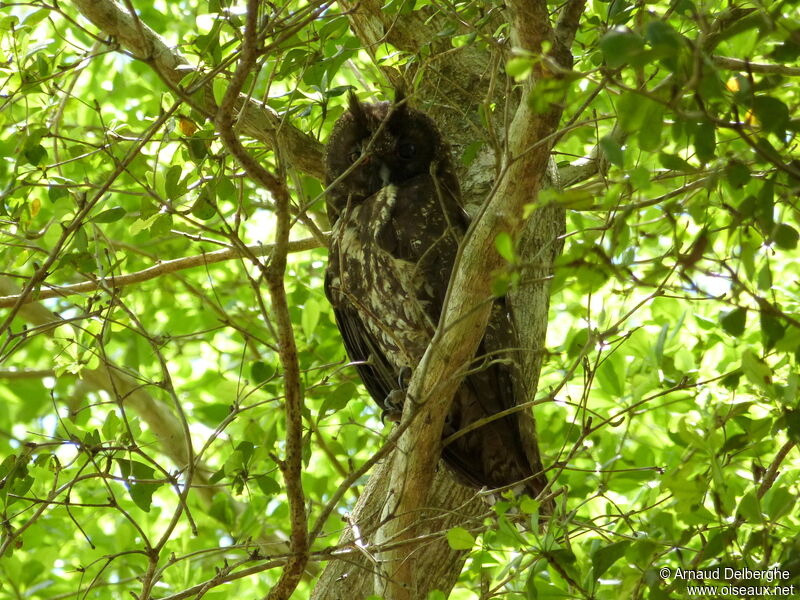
[{"x": 397, "y": 221}]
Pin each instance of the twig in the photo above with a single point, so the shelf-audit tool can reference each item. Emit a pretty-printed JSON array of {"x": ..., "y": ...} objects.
[{"x": 735, "y": 64}]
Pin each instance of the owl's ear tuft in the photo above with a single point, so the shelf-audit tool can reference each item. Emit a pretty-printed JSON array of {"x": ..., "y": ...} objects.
[
  {"x": 399, "y": 93},
  {"x": 356, "y": 109},
  {"x": 400, "y": 103}
]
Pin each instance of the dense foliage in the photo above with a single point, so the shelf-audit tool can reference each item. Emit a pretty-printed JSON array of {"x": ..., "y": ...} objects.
[{"x": 669, "y": 397}]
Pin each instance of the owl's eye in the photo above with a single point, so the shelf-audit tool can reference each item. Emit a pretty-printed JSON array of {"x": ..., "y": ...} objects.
[
  {"x": 355, "y": 153},
  {"x": 406, "y": 150}
]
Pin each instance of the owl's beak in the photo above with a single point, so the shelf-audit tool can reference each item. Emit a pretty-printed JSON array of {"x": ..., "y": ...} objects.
[{"x": 385, "y": 174}]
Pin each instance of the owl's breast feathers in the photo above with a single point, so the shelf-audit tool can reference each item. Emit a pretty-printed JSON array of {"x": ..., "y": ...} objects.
[{"x": 390, "y": 261}]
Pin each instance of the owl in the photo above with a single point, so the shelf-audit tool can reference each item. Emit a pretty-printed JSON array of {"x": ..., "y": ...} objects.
[{"x": 394, "y": 205}]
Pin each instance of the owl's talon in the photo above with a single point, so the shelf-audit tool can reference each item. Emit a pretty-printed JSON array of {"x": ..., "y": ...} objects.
[
  {"x": 391, "y": 414},
  {"x": 393, "y": 404}
]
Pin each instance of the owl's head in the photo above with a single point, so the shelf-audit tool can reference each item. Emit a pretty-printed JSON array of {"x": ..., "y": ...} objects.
[{"x": 384, "y": 143}]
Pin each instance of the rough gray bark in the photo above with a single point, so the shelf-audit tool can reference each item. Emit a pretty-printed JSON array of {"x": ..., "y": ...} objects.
[{"x": 451, "y": 504}]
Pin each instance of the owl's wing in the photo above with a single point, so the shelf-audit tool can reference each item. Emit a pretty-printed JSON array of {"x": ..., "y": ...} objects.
[{"x": 374, "y": 369}]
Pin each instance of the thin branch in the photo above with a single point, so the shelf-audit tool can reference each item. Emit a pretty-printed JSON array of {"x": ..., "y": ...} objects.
[
  {"x": 28, "y": 373},
  {"x": 735, "y": 64},
  {"x": 772, "y": 472},
  {"x": 162, "y": 268},
  {"x": 292, "y": 465}
]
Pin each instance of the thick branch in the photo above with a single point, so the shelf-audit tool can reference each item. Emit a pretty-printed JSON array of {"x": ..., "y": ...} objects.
[
  {"x": 568, "y": 22},
  {"x": 530, "y": 24},
  {"x": 449, "y": 504},
  {"x": 451, "y": 77},
  {"x": 256, "y": 121}
]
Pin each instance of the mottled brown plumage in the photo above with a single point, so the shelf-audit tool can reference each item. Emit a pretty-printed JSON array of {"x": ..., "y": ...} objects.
[{"x": 394, "y": 206}]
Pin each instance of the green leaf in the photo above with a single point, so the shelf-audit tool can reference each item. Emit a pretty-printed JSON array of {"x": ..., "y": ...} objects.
[
  {"x": 334, "y": 27},
  {"x": 111, "y": 425},
  {"x": 470, "y": 152},
  {"x": 705, "y": 142},
  {"x": 612, "y": 150},
  {"x": 268, "y": 486},
  {"x": 734, "y": 321},
  {"x": 737, "y": 173},
  {"x": 574, "y": 199},
  {"x": 225, "y": 188},
  {"x": 460, "y": 539},
  {"x": 162, "y": 225},
  {"x": 772, "y": 328},
  {"x": 80, "y": 242},
  {"x": 310, "y": 317},
  {"x": 261, "y": 372},
  {"x": 110, "y": 215},
  {"x": 779, "y": 502},
  {"x": 674, "y": 162},
  {"x": 620, "y": 47},
  {"x": 786, "y": 236},
  {"x": 140, "y": 225},
  {"x": 56, "y": 193},
  {"x": 500, "y": 284},
  {"x": 337, "y": 399},
  {"x": 764, "y": 279},
  {"x": 219, "y": 87},
  {"x": 611, "y": 375},
  {"x": 212, "y": 415},
  {"x": 735, "y": 442},
  {"x": 171, "y": 181},
  {"x": 650, "y": 133},
  {"x": 631, "y": 108},
  {"x": 222, "y": 509},
  {"x": 661, "y": 36},
  {"x": 772, "y": 114},
  {"x": 791, "y": 422},
  {"x": 716, "y": 544},
  {"x": 505, "y": 246},
  {"x": 606, "y": 556},
  {"x": 204, "y": 207},
  {"x": 141, "y": 493},
  {"x": 519, "y": 67},
  {"x": 35, "y": 154},
  {"x": 765, "y": 205},
  {"x": 529, "y": 506},
  {"x": 756, "y": 370},
  {"x": 749, "y": 508}
]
